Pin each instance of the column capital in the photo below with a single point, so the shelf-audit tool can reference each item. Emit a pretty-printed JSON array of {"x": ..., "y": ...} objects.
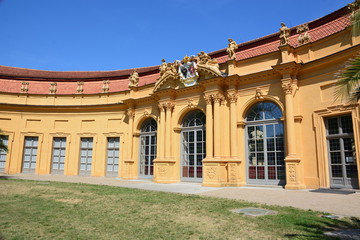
[
  {"x": 131, "y": 113},
  {"x": 169, "y": 106},
  {"x": 289, "y": 85},
  {"x": 208, "y": 99},
  {"x": 218, "y": 98},
  {"x": 232, "y": 96}
]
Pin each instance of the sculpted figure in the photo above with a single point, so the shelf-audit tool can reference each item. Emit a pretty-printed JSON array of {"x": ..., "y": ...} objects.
[
  {"x": 134, "y": 79},
  {"x": 284, "y": 34},
  {"x": 304, "y": 36},
  {"x": 163, "y": 67},
  {"x": 203, "y": 57},
  {"x": 232, "y": 46}
]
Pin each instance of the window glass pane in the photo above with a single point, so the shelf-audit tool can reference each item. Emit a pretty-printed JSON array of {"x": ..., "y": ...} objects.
[
  {"x": 333, "y": 127},
  {"x": 336, "y": 171},
  {"x": 334, "y": 144},
  {"x": 279, "y": 130},
  {"x": 346, "y": 124},
  {"x": 269, "y": 130}
]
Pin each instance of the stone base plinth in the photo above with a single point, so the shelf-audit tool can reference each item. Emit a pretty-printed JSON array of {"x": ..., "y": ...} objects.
[
  {"x": 218, "y": 172},
  {"x": 164, "y": 170},
  {"x": 294, "y": 174}
]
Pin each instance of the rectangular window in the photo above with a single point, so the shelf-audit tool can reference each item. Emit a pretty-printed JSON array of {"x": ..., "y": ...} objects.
[
  {"x": 58, "y": 155},
  {"x": 86, "y": 149},
  {"x": 3, "y": 155},
  {"x": 30, "y": 154},
  {"x": 113, "y": 149}
]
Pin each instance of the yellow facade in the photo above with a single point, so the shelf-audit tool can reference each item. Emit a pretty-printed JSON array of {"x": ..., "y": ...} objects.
[{"x": 299, "y": 80}]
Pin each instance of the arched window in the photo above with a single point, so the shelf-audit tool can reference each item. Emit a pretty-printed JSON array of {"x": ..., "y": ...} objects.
[
  {"x": 193, "y": 145},
  {"x": 265, "y": 144},
  {"x": 147, "y": 147}
]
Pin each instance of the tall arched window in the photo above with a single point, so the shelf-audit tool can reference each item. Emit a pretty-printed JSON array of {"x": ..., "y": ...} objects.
[
  {"x": 147, "y": 147},
  {"x": 193, "y": 145},
  {"x": 265, "y": 144}
]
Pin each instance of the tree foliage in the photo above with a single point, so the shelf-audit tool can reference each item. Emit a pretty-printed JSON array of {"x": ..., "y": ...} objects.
[{"x": 348, "y": 85}]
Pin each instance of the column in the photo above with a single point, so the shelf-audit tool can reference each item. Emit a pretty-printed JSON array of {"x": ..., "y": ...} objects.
[
  {"x": 131, "y": 114},
  {"x": 233, "y": 125},
  {"x": 217, "y": 100},
  {"x": 294, "y": 175},
  {"x": 169, "y": 106},
  {"x": 161, "y": 135},
  {"x": 209, "y": 127},
  {"x": 289, "y": 117}
]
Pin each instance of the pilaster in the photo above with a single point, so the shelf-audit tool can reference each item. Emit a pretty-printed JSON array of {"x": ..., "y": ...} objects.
[{"x": 293, "y": 163}]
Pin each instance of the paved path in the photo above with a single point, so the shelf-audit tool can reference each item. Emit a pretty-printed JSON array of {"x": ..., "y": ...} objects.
[{"x": 338, "y": 204}]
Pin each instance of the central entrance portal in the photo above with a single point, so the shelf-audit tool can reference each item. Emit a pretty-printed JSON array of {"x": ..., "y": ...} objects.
[{"x": 193, "y": 146}]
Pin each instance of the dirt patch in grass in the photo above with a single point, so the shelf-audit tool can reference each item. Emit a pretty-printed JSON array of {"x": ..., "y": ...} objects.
[{"x": 73, "y": 201}]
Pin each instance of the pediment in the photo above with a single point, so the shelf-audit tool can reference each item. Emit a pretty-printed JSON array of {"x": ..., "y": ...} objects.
[{"x": 188, "y": 72}]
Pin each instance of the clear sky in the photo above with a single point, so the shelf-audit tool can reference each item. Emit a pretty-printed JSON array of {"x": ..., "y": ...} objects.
[{"x": 96, "y": 35}]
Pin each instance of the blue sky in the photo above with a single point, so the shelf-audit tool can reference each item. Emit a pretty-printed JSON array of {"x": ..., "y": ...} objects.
[{"x": 96, "y": 35}]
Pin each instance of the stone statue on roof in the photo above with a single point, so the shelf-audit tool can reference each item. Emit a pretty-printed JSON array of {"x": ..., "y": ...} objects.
[
  {"x": 232, "y": 46},
  {"x": 284, "y": 34},
  {"x": 163, "y": 67},
  {"x": 134, "y": 79},
  {"x": 304, "y": 36}
]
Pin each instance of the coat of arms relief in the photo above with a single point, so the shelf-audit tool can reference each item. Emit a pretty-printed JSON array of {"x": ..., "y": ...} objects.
[{"x": 187, "y": 70}]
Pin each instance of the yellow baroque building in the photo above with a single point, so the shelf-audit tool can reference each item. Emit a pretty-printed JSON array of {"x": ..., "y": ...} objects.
[{"x": 257, "y": 113}]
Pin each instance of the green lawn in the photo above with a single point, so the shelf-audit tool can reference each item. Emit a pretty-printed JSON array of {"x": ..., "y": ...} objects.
[{"x": 34, "y": 210}]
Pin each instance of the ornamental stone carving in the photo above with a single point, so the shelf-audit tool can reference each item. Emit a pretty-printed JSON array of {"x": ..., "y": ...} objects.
[
  {"x": 80, "y": 87},
  {"x": 208, "y": 99},
  {"x": 292, "y": 172},
  {"x": 287, "y": 87},
  {"x": 232, "y": 172},
  {"x": 134, "y": 79},
  {"x": 169, "y": 106},
  {"x": 24, "y": 87},
  {"x": 53, "y": 89},
  {"x": 191, "y": 103},
  {"x": 284, "y": 34},
  {"x": 258, "y": 94},
  {"x": 161, "y": 171},
  {"x": 105, "y": 86},
  {"x": 232, "y": 97},
  {"x": 163, "y": 67},
  {"x": 218, "y": 98},
  {"x": 206, "y": 63},
  {"x": 161, "y": 107},
  {"x": 303, "y": 31},
  {"x": 232, "y": 46},
  {"x": 130, "y": 113},
  {"x": 211, "y": 172}
]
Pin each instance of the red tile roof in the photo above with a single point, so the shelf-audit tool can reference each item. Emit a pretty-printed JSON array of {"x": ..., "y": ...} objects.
[{"x": 39, "y": 81}]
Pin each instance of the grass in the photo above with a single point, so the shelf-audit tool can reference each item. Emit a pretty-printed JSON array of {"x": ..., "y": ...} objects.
[{"x": 34, "y": 210}]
